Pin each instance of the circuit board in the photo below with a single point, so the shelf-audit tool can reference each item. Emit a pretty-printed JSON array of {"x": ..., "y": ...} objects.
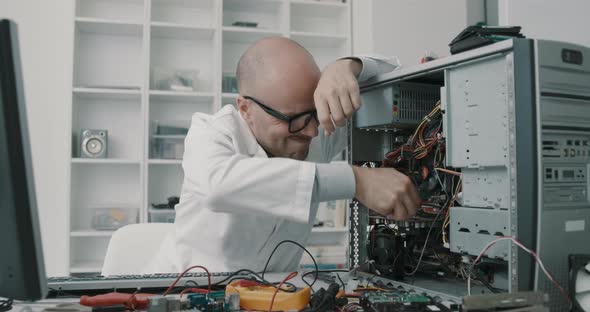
[{"x": 401, "y": 301}]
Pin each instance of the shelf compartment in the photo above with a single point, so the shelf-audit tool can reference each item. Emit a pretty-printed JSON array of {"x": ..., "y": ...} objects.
[
  {"x": 181, "y": 31},
  {"x": 188, "y": 12},
  {"x": 330, "y": 18},
  {"x": 169, "y": 54},
  {"x": 121, "y": 118},
  {"x": 266, "y": 13},
  {"x": 97, "y": 185},
  {"x": 87, "y": 253},
  {"x": 108, "y": 54},
  {"x": 163, "y": 182},
  {"x": 127, "y": 10}
]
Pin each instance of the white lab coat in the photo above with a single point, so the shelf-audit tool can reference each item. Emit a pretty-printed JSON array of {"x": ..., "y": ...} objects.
[{"x": 237, "y": 204}]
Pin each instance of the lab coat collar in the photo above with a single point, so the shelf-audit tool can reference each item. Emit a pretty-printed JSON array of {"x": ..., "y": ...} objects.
[{"x": 252, "y": 145}]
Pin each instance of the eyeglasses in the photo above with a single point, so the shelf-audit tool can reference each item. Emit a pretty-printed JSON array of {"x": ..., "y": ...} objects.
[{"x": 296, "y": 123}]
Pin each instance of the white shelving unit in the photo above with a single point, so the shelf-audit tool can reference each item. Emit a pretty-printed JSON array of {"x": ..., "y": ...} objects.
[{"x": 121, "y": 46}]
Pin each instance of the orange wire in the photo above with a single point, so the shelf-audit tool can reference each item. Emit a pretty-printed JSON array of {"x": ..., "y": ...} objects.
[
  {"x": 183, "y": 273},
  {"x": 290, "y": 276}
]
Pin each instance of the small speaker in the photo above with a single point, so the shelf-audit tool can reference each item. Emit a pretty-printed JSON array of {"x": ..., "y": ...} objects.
[{"x": 93, "y": 143}]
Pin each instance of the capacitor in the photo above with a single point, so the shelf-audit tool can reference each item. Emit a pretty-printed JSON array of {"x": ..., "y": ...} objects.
[
  {"x": 157, "y": 304},
  {"x": 232, "y": 302}
]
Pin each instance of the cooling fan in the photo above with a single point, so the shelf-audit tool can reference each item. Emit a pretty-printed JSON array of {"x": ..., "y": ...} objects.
[{"x": 579, "y": 275}]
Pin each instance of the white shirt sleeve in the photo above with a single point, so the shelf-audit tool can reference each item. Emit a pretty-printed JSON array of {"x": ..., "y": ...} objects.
[
  {"x": 333, "y": 181},
  {"x": 374, "y": 65}
]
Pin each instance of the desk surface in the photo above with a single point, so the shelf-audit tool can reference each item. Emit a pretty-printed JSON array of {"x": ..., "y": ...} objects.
[{"x": 51, "y": 303}]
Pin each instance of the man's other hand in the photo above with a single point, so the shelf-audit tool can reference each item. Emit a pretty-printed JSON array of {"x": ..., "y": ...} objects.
[
  {"x": 387, "y": 192},
  {"x": 337, "y": 95}
]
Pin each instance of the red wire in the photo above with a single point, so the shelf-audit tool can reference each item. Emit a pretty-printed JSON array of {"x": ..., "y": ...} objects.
[
  {"x": 290, "y": 276},
  {"x": 183, "y": 273},
  {"x": 532, "y": 252}
]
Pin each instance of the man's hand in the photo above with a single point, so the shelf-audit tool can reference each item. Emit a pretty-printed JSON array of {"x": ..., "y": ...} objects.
[
  {"x": 387, "y": 192},
  {"x": 337, "y": 95}
]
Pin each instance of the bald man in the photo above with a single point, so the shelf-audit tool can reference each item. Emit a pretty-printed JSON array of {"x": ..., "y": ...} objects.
[{"x": 254, "y": 177}]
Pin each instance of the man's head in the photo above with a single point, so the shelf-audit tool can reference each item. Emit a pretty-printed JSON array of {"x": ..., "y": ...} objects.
[{"x": 281, "y": 75}]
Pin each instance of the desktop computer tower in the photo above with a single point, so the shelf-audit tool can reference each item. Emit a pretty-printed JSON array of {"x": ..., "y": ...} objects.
[{"x": 497, "y": 142}]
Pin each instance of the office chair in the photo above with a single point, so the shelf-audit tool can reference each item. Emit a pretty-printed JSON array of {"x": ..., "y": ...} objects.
[{"x": 133, "y": 246}]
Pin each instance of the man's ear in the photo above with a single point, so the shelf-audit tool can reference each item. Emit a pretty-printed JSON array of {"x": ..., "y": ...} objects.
[{"x": 244, "y": 108}]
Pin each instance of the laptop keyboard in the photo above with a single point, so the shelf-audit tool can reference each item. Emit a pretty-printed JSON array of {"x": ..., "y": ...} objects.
[{"x": 159, "y": 280}]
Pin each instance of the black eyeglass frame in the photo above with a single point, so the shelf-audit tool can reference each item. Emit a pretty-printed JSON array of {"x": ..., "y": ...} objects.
[{"x": 283, "y": 117}]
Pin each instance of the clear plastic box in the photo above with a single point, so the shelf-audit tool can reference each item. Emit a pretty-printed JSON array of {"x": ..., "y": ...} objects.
[
  {"x": 167, "y": 141},
  {"x": 173, "y": 79},
  {"x": 112, "y": 217},
  {"x": 162, "y": 215}
]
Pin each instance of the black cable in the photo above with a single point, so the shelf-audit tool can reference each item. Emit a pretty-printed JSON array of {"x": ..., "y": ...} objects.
[
  {"x": 307, "y": 251},
  {"x": 6, "y": 305},
  {"x": 232, "y": 277},
  {"x": 323, "y": 271},
  {"x": 191, "y": 282},
  {"x": 238, "y": 272},
  {"x": 341, "y": 281},
  {"x": 483, "y": 281},
  {"x": 324, "y": 300}
]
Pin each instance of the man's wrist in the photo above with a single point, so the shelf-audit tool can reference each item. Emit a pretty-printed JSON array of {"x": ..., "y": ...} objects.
[
  {"x": 357, "y": 171},
  {"x": 354, "y": 64}
]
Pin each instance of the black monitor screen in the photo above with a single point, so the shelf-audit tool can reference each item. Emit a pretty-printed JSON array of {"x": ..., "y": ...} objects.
[{"x": 22, "y": 271}]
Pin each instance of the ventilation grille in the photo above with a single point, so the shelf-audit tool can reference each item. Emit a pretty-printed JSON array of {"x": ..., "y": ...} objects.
[
  {"x": 415, "y": 101},
  {"x": 556, "y": 300}
]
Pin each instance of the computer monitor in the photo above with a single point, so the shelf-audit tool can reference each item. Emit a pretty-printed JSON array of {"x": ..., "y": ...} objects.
[{"x": 22, "y": 271}]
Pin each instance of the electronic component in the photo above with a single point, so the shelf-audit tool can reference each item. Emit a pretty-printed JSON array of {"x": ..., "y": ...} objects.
[
  {"x": 259, "y": 297},
  {"x": 401, "y": 105},
  {"x": 232, "y": 302},
  {"x": 174, "y": 304},
  {"x": 519, "y": 301},
  {"x": 399, "y": 301},
  {"x": 93, "y": 143},
  {"x": 157, "y": 304},
  {"x": 198, "y": 301}
]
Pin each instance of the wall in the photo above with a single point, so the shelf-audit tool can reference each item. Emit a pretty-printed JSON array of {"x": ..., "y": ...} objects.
[
  {"x": 46, "y": 45},
  {"x": 564, "y": 20},
  {"x": 407, "y": 28}
]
